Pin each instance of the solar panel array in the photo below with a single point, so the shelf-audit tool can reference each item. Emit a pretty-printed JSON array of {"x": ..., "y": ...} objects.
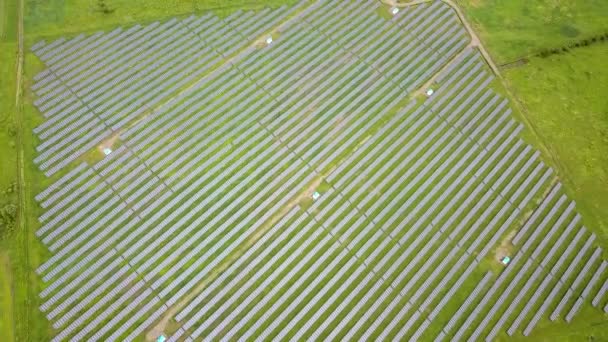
[{"x": 196, "y": 211}]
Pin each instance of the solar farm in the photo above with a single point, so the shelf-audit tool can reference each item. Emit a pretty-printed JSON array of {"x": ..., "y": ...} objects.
[{"x": 185, "y": 154}]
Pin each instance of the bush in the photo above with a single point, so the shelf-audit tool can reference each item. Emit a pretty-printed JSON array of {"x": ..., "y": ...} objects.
[
  {"x": 11, "y": 130},
  {"x": 545, "y": 53},
  {"x": 8, "y": 211},
  {"x": 104, "y": 8},
  {"x": 8, "y": 219}
]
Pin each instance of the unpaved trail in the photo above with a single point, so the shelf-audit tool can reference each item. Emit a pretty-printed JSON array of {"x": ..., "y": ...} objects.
[
  {"x": 22, "y": 186},
  {"x": 475, "y": 41}
]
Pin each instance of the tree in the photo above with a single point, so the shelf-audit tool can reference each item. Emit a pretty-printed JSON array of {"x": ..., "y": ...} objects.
[
  {"x": 103, "y": 7},
  {"x": 8, "y": 218}
]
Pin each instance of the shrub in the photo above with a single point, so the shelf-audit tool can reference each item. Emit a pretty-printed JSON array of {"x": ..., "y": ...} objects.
[{"x": 8, "y": 219}]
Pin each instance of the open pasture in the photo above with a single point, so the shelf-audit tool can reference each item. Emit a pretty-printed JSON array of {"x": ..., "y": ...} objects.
[{"x": 199, "y": 221}]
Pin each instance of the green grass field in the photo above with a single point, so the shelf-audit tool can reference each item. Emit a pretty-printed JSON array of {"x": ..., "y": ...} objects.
[
  {"x": 517, "y": 28},
  {"x": 65, "y": 17},
  {"x": 564, "y": 96},
  {"x": 10, "y": 256},
  {"x": 6, "y": 297}
]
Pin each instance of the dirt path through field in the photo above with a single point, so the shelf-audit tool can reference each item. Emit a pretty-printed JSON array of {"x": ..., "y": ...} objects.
[
  {"x": 22, "y": 225},
  {"x": 475, "y": 41}
]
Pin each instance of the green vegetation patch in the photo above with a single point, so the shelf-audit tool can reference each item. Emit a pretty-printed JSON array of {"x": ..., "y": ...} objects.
[
  {"x": 6, "y": 298},
  {"x": 564, "y": 97},
  {"x": 59, "y": 17},
  {"x": 517, "y": 28}
]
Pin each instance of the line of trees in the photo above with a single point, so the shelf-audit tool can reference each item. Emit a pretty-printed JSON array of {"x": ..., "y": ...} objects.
[{"x": 578, "y": 44}]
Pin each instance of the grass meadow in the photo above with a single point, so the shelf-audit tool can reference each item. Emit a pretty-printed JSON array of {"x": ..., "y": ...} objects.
[
  {"x": 564, "y": 96},
  {"x": 64, "y": 17},
  {"x": 518, "y": 28},
  {"x": 8, "y": 175}
]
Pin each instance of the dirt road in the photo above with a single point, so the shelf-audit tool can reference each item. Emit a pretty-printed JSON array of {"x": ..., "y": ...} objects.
[{"x": 22, "y": 223}]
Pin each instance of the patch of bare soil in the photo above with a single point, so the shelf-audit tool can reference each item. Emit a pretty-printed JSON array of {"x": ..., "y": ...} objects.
[
  {"x": 505, "y": 248},
  {"x": 108, "y": 143}
]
